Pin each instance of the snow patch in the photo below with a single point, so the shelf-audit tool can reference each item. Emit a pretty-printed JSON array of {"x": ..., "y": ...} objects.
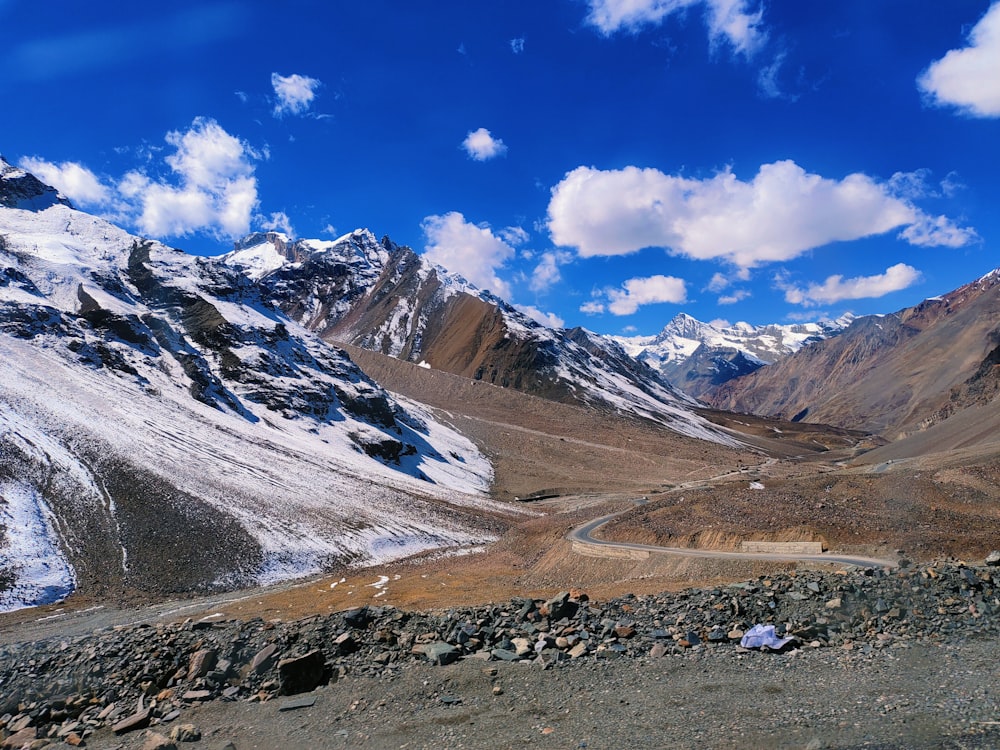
[{"x": 33, "y": 568}]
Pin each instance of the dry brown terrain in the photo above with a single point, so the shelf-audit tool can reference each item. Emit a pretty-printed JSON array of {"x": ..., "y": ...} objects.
[{"x": 817, "y": 482}]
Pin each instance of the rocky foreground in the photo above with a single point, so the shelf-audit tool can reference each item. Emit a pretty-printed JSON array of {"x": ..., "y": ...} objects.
[{"x": 115, "y": 682}]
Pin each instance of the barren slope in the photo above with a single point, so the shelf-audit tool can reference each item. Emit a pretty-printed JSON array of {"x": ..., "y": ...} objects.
[{"x": 890, "y": 375}]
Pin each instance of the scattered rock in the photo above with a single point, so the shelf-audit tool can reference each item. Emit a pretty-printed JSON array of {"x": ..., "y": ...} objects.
[
  {"x": 185, "y": 733},
  {"x": 441, "y": 653},
  {"x": 296, "y": 703},
  {"x": 156, "y": 741},
  {"x": 201, "y": 663},
  {"x": 300, "y": 674},
  {"x": 139, "y": 676},
  {"x": 264, "y": 658},
  {"x": 19, "y": 739},
  {"x": 138, "y": 720}
]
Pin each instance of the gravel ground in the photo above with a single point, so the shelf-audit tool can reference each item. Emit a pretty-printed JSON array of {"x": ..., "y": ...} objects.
[{"x": 919, "y": 696}]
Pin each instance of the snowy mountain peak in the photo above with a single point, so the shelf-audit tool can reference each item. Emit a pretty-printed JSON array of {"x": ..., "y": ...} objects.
[
  {"x": 683, "y": 325},
  {"x": 21, "y": 189},
  {"x": 262, "y": 253},
  {"x": 697, "y": 356}
]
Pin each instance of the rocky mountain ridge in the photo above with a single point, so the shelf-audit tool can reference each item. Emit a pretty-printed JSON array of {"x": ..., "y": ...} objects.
[
  {"x": 93, "y": 686},
  {"x": 384, "y": 297}
]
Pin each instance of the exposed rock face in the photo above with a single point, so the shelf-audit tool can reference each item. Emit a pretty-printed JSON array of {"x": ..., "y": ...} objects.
[
  {"x": 107, "y": 678},
  {"x": 888, "y": 374}
]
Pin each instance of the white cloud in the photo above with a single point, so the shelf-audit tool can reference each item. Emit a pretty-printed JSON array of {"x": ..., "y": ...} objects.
[
  {"x": 967, "y": 78},
  {"x": 546, "y": 319},
  {"x": 769, "y": 83},
  {"x": 646, "y": 291},
  {"x": 295, "y": 93},
  {"x": 277, "y": 222},
  {"x": 780, "y": 214},
  {"x": 471, "y": 250},
  {"x": 517, "y": 45},
  {"x": 547, "y": 272},
  {"x": 732, "y": 20},
  {"x": 737, "y": 295},
  {"x": 481, "y": 145},
  {"x": 216, "y": 190},
  {"x": 911, "y": 185},
  {"x": 513, "y": 235},
  {"x": 718, "y": 282},
  {"x": 73, "y": 180},
  {"x": 938, "y": 231},
  {"x": 331, "y": 230},
  {"x": 592, "y": 308},
  {"x": 952, "y": 184},
  {"x": 837, "y": 288}
]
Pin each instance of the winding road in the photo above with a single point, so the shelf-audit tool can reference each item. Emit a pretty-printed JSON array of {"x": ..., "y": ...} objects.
[{"x": 584, "y": 535}]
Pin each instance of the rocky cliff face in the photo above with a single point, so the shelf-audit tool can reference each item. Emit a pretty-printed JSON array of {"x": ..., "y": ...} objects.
[{"x": 888, "y": 374}]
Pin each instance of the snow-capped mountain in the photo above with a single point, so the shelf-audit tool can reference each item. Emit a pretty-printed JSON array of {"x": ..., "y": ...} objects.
[
  {"x": 164, "y": 427},
  {"x": 697, "y": 357},
  {"x": 385, "y": 298}
]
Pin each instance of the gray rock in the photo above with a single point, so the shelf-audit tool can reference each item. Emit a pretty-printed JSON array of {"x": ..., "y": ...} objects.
[
  {"x": 441, "y": 653},
  {"x": 264, "y": 658},
  {"x": 138, "y": 720},
  {"x": 504, "y": 654},
  {"x": 305, "y": 701},
  {"x": 300, "y": 674}
]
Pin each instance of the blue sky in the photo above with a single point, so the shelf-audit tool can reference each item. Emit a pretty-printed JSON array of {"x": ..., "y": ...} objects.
[{"x": 605, "y": 163}]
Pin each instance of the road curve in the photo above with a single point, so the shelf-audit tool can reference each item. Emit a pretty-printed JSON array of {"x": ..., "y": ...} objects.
[{"x": 584, "y": 534}]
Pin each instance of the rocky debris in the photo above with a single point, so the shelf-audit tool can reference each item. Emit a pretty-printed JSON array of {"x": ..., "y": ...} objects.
[{"x": 144, "y": 676}]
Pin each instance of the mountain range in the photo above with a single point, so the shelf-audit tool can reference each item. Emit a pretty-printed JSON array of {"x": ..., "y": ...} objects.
[
  {"x": 697, "y": 357},
  {"x": 383, "y": 297},
  {"x": 173, "y": 423},
  {"x": 892, "y": 374}
]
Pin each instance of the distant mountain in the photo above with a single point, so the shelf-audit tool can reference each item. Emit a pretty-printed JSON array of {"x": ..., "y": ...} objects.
[
  {"x": 385, "y": 298},
  {"x": 164, "y": 427},
  {"x": 697, "y": 357},
  {"x": 890, "y": 374}
]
